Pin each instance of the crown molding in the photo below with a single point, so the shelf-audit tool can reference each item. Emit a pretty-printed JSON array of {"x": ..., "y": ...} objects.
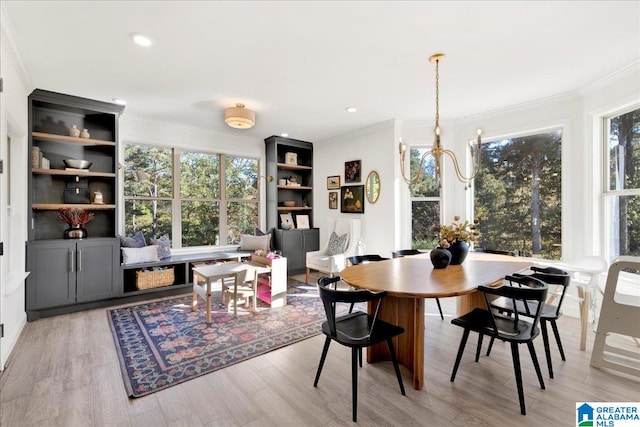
[
  {"x": 627, "y": 71},
  {"x": 12, "y": 49}
]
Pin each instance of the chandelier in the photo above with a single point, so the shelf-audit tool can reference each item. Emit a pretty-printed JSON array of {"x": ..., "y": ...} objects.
[{"x": 437, "y": 150}]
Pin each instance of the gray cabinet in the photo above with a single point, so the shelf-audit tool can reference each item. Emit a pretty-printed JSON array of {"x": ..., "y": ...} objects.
[
  {"x": 67, "y": 272},
  {"x": 294, "y": 245},
  {"x": 290, "y": 163},
  {"x": 70, "y": 275}
]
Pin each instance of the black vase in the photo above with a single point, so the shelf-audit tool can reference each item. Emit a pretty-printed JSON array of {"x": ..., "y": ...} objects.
[
  {"x": 75, "y": 231},
  {"x": 459, "y": 251},
  {"x": 440, "y": 257}
]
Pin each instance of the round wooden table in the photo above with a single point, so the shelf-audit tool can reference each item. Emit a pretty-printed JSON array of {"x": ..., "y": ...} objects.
[{"x": 409, "y": 280}]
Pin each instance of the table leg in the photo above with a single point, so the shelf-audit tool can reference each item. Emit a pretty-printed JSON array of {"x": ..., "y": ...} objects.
[
  {"x": 194, "y": 303},
  {"x": 208, "y": 316},
  {"x": 235, "y": 295},
  {"x": 409, "y": 314},
  {"x": 583, "y": 294}
]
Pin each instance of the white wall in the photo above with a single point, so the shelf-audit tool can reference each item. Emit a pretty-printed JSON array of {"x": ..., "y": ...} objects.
[
  {"x": 13, "y": 210},
  {"x": 374, "y": 146}
]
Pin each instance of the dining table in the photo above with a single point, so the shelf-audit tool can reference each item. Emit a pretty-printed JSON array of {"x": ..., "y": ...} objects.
[{"x": 409, "y": 280}]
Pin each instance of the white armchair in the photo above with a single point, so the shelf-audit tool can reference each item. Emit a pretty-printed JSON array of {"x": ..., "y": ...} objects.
[{"x": 332, "y": 264}]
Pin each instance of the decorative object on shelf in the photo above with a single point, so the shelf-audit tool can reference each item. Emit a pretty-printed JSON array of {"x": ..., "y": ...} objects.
[
  {"x": 352, "y": 171},
  {"x": 45, "y": 163},
  {"x": 283, "y": 181},
  {"x": 74, "y": 131},
  {"x": 289, "y": 203},
  {"x": 333, "y": 182},
  {"x": 77, "y": 164},
  {"x": 437, "y": 151},
  {"x": 352, "y": 199},
  {"x": 302, "y": 222},
  {"x": 291, "y": 158},
  {"x": 97, "y": 198},
  {"x": 372, "y": 187},
  {"x": 76, "y": 219},
  {"x": 440, "y": 257},
  {"x": 456, "y": 238},
  {"x": 239, "y": 117},
  {"x": 36, "y": 156},
  {"x": 85, "y": 134},
  {"x": 333, "y": 200},
  {"x": 287, "y": 221}
]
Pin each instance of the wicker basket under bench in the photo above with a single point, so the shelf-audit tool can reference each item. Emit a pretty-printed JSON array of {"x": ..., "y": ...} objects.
[{"x": 148, "y": 279}]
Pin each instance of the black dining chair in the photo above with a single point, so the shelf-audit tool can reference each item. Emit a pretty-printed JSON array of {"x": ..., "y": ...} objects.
[
  {"x": 550, "y": 312},
  {"x": 408, "y": 252},
  {"x": 518, "y": 328},
  {"x": 364, "y": 259},
  {"x": 356, "y": 330}
]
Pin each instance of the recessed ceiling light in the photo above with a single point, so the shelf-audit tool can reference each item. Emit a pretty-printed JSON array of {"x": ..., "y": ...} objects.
[
  {"x": 351, "y": 109},
  {"x": 119, "y": 101},
  {"x": 141, "y": 39},
  {"x": 284, "y": 135}
]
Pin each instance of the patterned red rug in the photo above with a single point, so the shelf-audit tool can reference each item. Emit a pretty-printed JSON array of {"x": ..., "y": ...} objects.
[{"x": 163, "y": 343}]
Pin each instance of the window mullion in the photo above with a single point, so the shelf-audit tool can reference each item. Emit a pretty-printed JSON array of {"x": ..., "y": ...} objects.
[{"x": 176, "y": 203}]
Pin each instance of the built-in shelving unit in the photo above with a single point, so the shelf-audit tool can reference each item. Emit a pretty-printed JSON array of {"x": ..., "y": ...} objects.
[
  {"x": 68, "y": 273},
  {"x": 293, "y": 243}
]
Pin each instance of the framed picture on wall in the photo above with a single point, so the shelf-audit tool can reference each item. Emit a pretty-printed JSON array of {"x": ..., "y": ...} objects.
[
  {"x": 352, "y": 171},
  {"x": 333, "y": 182},
  {"x": 352, "y": 199},
  {"x": 333, "y": 200}
]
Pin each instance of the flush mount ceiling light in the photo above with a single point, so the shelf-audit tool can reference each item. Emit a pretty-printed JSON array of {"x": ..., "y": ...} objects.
[
  {"x": 141, "y": 39},
  {"x": 239, "y": 117}
]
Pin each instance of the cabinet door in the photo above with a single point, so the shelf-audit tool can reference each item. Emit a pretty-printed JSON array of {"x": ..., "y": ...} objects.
[
  {"x": 52, "y": 278},
  {"x": 291, "y": 245},
  {"x": 311, "y": 240},
  {"x": 97, "y": 269}
]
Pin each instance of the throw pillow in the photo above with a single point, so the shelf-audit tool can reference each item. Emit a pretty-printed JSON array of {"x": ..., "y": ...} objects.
[
  {"x": 135, "y": 241},
  {"x": 258, "y": 232},
  {"x": 251, "y": 243},
  {"x": 164, "y": 246},
  {"x": 336, "y": 244},
  {"x": 139, "y": 255}
]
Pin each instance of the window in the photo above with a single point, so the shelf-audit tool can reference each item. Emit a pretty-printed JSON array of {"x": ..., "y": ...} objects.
[
  {"x": 425, "y": 200},
  {"x": 517, "y": 195},
  {"x": 622, "y": 189},
  {"x": 198, "y": 199}
]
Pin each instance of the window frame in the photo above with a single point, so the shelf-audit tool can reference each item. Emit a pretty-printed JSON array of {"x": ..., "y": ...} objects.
[
  {"x": 431, "y": 199},
  {"x": 607, "y": 193},
  {"x": 176, "y": 200},
  {"x": 524, "y": 134}
]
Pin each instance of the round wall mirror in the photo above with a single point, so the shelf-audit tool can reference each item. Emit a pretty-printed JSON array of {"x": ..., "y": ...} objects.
[{"x": 372, "y": 187}]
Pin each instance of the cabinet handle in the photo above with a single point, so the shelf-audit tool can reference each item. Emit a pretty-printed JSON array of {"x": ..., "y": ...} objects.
[
  {"x": 72, "y": 260},
  {"x": 79, "y": 260}
]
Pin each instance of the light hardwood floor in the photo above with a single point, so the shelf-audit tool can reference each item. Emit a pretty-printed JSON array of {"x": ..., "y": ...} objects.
[{"x": 64, "y": 372}]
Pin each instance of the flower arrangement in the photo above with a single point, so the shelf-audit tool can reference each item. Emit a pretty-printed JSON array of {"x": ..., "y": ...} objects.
[
  {"x": 457, "y": 232},
  {"x": 75, "y": 216}
]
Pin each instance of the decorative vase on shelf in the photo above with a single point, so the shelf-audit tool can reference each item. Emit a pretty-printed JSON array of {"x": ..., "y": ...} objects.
[
  {"x": 75, "y": 231},
  {"x": 74, "y": 131},
  {"x": 459, "y": 251},
  {"x": 440, "y": 257},
  {"x": 84, "y": 134}
]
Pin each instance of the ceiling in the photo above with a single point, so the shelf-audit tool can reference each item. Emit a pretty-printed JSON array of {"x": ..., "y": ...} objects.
[{"x": 299, "y": 64}]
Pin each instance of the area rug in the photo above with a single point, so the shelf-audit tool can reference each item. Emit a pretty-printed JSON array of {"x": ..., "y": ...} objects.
[{"x": 163, "y": 343}]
